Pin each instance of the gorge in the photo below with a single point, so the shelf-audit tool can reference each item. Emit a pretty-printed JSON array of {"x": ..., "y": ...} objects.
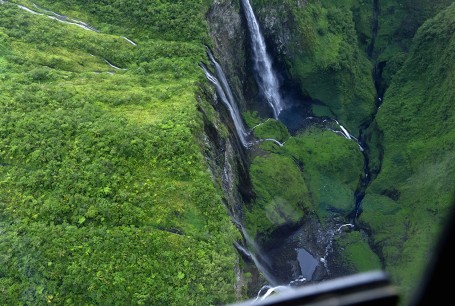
[
  {"x": 336, "y": 247},
  {"x": 207, "y": 152}
]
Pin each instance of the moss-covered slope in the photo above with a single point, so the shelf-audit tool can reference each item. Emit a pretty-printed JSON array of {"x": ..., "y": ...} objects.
[
  {"x": 319, "y": 44},
  {"x": 397, "y": 23},
  {"x": 333, "y": 50},
  {"x": 406, "y": 205},
  {"x": 314, "y": 174}
]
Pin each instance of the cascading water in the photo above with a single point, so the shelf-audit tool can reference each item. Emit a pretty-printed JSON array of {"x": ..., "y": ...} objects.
[
  {"x": 266, "y": 77},
  {"x": 261, "y": 262},
  {"x": 307, "y": 263},
  {"x": 257, "y": 263},
  {"x": 56, "y": 16},
  {"x": 224, "y": 91}
]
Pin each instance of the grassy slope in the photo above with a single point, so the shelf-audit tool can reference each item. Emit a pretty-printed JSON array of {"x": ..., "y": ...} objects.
[
  {"x": 406, "y": 205},
  {"x": 281, "y": 193},
  {"x": 324, "y": 155},
  {"x": 105, "y": 195}
]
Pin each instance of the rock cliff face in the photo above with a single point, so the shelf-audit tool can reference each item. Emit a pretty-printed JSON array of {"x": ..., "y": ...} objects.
[
  {"x": 229, "y": 46},
  {"x": 229, "y": 161}
]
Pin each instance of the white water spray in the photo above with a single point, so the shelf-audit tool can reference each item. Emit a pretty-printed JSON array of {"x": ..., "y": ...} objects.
[
  {"x": 281, "y": 144},
  {"x": 27, "y": 9},
  {"x": 113, "y": 66},
  {"x": 259, "y": 124},
  {"x": 331, "y": 235},
  {"x": 129, "y": 40},
  {"x": 350, "y": 225},
  {"x": 270, "y": 291},
  {"x": 264, "y": 271},
  {"x": 344, "y": 131},
  {"x": 75, "y": 22},
  {"x": 346, "y": 134},
  {"x": 268, "y": 82},
  {"x": 225, "y": 94}
]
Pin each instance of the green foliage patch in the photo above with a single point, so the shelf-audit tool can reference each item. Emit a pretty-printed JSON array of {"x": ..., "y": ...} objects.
[
  {"x": 308, "y": 174},
  {"x": 272, "y": 129},
  {"x": 281, "y": 194},
  {"x": 155, "y": 19},
  {"x": 356, "y": 252},
  {"x": 332, "y": 165}
]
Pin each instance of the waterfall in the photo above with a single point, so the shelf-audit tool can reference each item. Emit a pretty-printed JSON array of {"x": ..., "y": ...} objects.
[
  {"x": 267, "y": 80},
  {"x": 254, "y": 253},
  {"x": 112, "y": 65},
  {"x": 263, "y": 270},
  {"x": 224, "y": 91},
  {"x": 350, "y": 225},
  {"x": 27, "y": 9},
  {"x": 270, "y": 290}
]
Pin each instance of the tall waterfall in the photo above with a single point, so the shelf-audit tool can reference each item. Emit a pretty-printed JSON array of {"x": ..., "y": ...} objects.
[
  {"x": 224, "y": 91},
  {"x": 267, "y": 80}
]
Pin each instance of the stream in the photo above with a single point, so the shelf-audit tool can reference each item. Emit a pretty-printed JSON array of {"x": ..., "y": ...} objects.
[{"x": 67, "y": 20}]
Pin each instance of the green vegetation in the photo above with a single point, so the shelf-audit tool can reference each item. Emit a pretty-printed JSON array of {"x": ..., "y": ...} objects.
[
  {"x": 325, "y": 56},
  {"x": 105, "y": 195},
  {"x": 282, "y": 196},
  {"x": 307, "y": 175},
  {"x": 408, "y": 202},
  {"x": 332, "y": 166},
  {"x": 271, "y": 129},
  {"x": 356, "y": 253},
  {"x": 397, "y": 25},
  {"x": 181, "y": 21},
  {"x": 331, "y": 49}
]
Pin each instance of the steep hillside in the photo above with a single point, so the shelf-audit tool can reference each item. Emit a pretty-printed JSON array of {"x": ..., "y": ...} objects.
[
  {"x": 407, "y": 204},
  {"x": 395, "y": 25},
  {"x": 120, "y": 170},
  {"x": 105, "y": 195}
]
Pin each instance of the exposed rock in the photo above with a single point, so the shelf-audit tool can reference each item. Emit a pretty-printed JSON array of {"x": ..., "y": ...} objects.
[{"x": 228, "y": 34}]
